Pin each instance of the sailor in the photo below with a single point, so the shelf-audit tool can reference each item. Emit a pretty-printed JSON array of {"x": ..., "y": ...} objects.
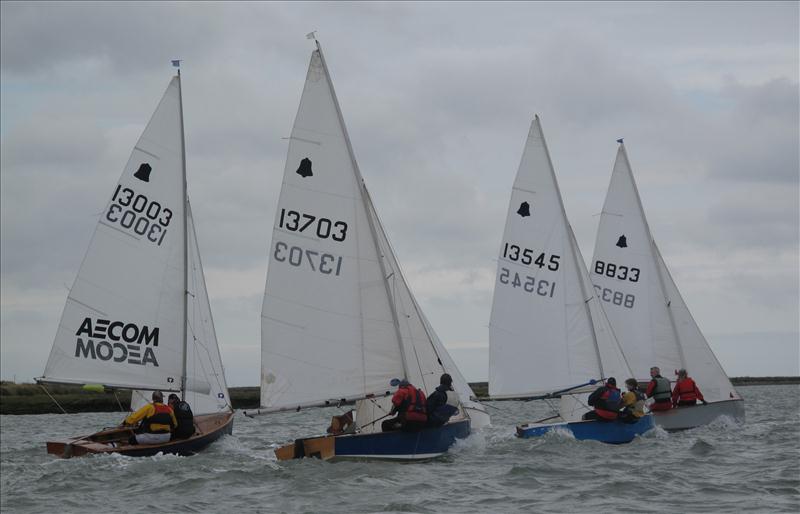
[
  {"x": 606, "y": 402},
  {"x": 184, "y": 416},
  {"x": 409, "y": 404},
  {"x": 686, "y": 392},
  {"x": 157, "y": 419},
  {"x": 659, "y": 390},
  {"x": 442, "y": 403},
  {"x": 632, "y": 401}
]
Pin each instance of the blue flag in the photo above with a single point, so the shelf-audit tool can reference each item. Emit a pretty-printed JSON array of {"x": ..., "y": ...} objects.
[{"x": 176, "y": 63}]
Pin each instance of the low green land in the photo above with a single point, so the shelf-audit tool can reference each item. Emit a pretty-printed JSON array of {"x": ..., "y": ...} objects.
[{"x": 32, "y": 398}]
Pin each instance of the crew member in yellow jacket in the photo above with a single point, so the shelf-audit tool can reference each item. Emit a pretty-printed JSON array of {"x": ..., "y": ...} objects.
[
  {"x": 632, "y": 401},
  {"x": 158, "y": 421}
]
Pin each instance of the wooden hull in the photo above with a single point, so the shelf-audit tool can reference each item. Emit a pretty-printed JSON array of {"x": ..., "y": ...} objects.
[
  {"x": 615, "y": 432},
  {"x": 209, "y": 428},
  {"x": 424, "y": 444},
  {"x": 683, "y": 418}
]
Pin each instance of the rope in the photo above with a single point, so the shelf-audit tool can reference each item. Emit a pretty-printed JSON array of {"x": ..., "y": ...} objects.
[{"x": 51, "y": 397}]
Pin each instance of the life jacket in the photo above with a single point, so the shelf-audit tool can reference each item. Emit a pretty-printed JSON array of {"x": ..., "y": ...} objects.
[
  {"x": 686, "y": 391},
  {"x": 412, "y": 406},
  {"x": 607, "y": 403},
  {"x": 634, "y": 403},
  {"x": 160, "y": 422},
  {"x": 445, "y": 411},
  {"x": 662, "y": 392}
]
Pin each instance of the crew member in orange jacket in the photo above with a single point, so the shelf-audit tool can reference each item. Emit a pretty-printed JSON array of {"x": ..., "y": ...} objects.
[
  {"x": 686, "y": 392},
  {"x": 158, "y": 421},
  {"x": 659, "y": 390},
  {"x": 409, "y": 404}
]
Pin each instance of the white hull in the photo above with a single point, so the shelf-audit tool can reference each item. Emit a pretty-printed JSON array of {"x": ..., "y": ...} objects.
[{"x": 689, "y": 417}]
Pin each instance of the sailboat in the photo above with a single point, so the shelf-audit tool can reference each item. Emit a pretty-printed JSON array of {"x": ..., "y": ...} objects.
[
  {"x": 548, "y": 335},
  {"x": 138, "y": 315},
  {"x": 652, "y": 322},
  {"x": 339, "y": 324}
]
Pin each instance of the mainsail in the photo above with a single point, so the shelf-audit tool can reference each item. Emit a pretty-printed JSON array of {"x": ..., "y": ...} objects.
[
  {"x": 643, "y": 304},
  {"x": 547, "y": 331},
  {"x": 126, "y": 322},
  {"x": 338, "y": 320}
]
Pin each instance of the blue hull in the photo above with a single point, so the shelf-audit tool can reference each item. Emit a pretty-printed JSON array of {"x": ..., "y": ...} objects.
[
  {"x": 424, "y": 444},
  {"x": 615, "y": 432}
]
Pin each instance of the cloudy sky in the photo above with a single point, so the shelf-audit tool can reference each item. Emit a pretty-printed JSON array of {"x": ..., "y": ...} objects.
[{"x": 438, "y": 98}]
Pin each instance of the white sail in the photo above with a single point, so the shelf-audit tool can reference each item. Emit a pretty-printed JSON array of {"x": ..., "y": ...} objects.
[
  {"x": 122, "y": 323},
  {"x": 547, "y": 330},
  {"x": 645, "y": 308},
  {"x": 338, "y": 319},
  {"x": 206, "y": 390}
]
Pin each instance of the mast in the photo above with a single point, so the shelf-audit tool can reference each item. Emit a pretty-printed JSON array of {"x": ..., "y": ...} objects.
[
  {"x": 185, "y": 240},
  {"x": 573, "y": 244},
  {"x": 655, "y": 254},
  {"x": 369, "y": 208}
]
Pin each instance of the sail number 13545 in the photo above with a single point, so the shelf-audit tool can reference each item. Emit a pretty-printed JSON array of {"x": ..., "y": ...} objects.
[{"x": 525, "y": 256}]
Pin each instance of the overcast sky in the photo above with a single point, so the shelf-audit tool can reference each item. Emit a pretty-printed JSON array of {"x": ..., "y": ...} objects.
[{"x": 438, "y": 98}]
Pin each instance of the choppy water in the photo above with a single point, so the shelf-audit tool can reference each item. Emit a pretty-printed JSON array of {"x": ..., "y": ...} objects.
[{"x": 725, "y": 467}]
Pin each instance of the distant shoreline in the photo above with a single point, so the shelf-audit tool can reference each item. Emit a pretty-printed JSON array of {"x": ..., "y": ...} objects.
[{"x": 32, "y": 399}]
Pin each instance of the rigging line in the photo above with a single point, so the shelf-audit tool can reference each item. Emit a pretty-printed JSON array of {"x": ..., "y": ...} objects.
[
  {"x": 118, "y": 402},
  {"x": 51, "y": 397}
]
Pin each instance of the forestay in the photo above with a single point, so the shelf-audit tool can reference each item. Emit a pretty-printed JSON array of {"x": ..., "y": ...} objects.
[
  {"x": 645, "y": 308},
  {"x": 548, "y": 331},
  {"x": 122, "y": 323},
  {"x": 338, "y": 319}
]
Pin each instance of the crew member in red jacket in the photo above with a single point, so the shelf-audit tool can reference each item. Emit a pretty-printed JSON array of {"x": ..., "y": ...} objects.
[
  {"x": 686, "y": 392},
  {"x": 606, "y": 401},
  {"x": 409, "y": 404}
]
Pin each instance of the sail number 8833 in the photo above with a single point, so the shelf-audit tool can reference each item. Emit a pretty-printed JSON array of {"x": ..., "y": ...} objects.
[{"x": 611, "y": 270}]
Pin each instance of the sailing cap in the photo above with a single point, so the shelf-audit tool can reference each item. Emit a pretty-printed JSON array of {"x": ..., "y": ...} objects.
[
  {"x": 611, "y": 380},
  {"x": 403, "y": 382},
  {"x": 446, "y": 379}
]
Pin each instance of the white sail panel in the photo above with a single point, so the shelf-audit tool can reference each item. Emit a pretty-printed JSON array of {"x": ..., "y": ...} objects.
[
  {"x": 701, "y": 363},
  {"x": 627, "y": 281},
  {"x": 121, "y": 325},
  {"x": 645, "y": 308},
  {"x": 541, "y": 335},
  {"x": 426, "y": 357},
  {"x": 328, "y": 331}
]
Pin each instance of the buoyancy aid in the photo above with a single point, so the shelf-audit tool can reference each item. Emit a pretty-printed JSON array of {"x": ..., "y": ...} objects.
[
  {"x": 185, "y": 419},
  {"x": 634, "y": 403},
  {"x": 686, "y": 391},
  {"x": 661, "y": 391},
  {"x": 606, "y": 402},
  {"x": 161, "y": 421},
  {"x": 410, "y": 403}
]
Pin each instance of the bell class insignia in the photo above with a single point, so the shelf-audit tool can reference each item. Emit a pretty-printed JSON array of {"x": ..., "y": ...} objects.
[
  {"x": 622, "y": 242},
  {"x": 143, "y": 173},
  {"x": 524, "y": 209},
  {"x": 305, "y": 168}
]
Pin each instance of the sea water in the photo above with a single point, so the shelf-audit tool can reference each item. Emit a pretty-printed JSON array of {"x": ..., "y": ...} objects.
[{"x": 723, "y": 467}]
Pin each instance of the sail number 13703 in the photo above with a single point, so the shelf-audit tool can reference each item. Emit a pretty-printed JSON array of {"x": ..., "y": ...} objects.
[{"x": 324, "y": 228}]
